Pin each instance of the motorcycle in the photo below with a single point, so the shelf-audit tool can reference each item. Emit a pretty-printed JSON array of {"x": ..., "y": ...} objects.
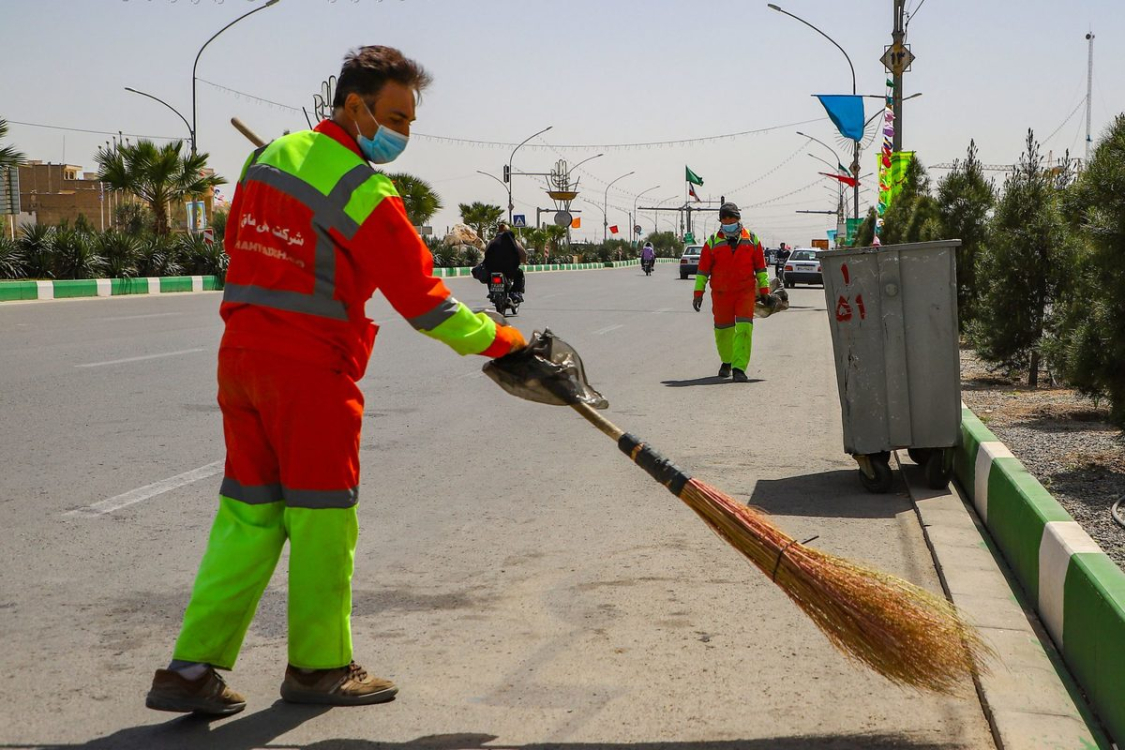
[
  {"x": 647, "y": 265},
  {"x": 500, "y": 293}
]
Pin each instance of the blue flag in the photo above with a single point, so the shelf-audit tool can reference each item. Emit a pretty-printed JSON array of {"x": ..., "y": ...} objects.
[{"x": 846, "y": 112}]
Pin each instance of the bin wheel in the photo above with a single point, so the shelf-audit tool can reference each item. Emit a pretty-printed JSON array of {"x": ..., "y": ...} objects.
[
  {"x": 919, "y": 455},
  {"x": 882, "y": 480},
  {"x": 939, "y": 468}
]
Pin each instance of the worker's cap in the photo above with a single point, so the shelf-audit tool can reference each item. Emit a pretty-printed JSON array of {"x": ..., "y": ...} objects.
[{"x": 731, "y": 210}]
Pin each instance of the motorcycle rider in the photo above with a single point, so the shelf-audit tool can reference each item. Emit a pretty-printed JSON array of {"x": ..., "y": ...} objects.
[
  {"x": 648, "y": 256},
  {"x": 504, "y": 254},
  {"x": 733, "y": 261}
]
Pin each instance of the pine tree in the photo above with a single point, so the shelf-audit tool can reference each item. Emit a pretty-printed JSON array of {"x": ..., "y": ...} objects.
[
  {"x": 913, "y": 214},
  {"x": 1089, "y": 350},
  {"x": 1024, "y": 268},
  {"x": 964, "y": 198}
]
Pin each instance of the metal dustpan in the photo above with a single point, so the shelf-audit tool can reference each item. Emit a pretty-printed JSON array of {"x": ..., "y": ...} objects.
[{"x": 548, "y": 371}]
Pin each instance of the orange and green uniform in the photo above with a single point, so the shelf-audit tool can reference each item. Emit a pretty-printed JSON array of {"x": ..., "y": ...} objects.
[
  {"x": 737, "y": 273},
  {"x": 312, "y": 233}
]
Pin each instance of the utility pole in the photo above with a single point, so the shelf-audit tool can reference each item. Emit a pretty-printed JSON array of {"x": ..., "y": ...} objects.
[
  {"x": 1089, "y": 94},
  {"x": 899, "y": 38}
]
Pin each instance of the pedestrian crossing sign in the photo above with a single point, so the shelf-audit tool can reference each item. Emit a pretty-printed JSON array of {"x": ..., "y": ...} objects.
[{"x": 519, "y": 220}]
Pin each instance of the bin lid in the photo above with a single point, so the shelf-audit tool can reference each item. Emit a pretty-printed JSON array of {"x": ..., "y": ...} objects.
[{"x": 885, "y": 248}]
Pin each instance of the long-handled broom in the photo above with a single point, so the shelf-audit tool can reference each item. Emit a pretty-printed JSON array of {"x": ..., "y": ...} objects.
[{"x": 900, "y": 630}]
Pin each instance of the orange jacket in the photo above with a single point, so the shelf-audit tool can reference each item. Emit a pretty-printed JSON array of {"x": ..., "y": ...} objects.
[
  {"x": 732, "y": 269},
  {"x": 312, "y": 233}
]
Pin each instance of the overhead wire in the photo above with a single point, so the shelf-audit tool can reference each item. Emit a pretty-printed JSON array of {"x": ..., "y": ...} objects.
[{"x": 97, "y": 132}]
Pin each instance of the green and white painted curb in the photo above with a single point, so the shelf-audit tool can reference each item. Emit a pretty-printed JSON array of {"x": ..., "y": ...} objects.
[
  {"x": 1077, "y": 589},
  {"x": 11, "y": 291},
  {"x": 534, "y": 268}
]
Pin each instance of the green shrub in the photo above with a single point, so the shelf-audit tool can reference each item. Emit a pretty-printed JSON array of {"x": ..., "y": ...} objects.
[{"x": 11, "y": 259}]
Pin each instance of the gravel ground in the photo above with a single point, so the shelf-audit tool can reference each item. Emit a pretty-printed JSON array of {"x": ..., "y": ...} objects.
[{"x": 1063, "y": 439}]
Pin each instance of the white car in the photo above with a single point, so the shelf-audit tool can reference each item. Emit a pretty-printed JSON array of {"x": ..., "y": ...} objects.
[
  {"x": 689, "y": 261},
  {"x": 803, "y": 267}
]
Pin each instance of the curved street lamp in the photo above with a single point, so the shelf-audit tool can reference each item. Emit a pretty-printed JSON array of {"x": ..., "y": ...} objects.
[
  {"x": 656, "y": 214},
  {"x": 633, "y": 221},
  {"x": 191, "y": 132},
  {"x": 605, "y": 204},
  {"x": 855, "y": 146},
  {"x": 196, "y": 63},
  {"x": 510, "y": 175}
]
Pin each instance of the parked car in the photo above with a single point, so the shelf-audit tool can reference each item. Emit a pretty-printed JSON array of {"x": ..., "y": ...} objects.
[
  {"x": 803, "y": 267},
  {"x": 689, "y": 261}
]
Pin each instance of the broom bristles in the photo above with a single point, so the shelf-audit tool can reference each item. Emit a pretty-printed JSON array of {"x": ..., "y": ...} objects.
[{"x": 903, "y": 632}]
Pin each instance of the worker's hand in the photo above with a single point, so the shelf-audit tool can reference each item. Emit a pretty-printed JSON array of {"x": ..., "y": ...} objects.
[
  {"x": 765, "y": 300},
  {"x": 697, "y": 302}
]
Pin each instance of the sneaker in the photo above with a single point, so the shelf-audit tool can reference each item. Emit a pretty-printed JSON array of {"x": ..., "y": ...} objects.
[
  {"x": 724, "y": 370},
  {"x": 740, "y": 376},
  {"x": 207, "y": 694},
  {"x": 345, "y": 686}
]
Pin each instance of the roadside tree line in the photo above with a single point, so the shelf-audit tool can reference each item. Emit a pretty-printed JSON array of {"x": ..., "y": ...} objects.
[{"x": 1041, "y": 271}]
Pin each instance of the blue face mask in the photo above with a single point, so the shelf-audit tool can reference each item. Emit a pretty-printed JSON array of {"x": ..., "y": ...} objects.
[
  {"x": 385, "y": 147},
  {"x": 731, "y": 229}
]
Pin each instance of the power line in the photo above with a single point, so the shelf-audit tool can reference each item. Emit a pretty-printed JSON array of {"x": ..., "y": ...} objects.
[
  {"x": 97, "y": 132},
  {"x": 512, "y": 144}
]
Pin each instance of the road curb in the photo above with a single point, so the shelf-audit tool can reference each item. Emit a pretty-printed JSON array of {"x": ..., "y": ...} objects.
[
  {"x": 1077, "y": 590},
  {"x": 13, "y": 291},
  {"x": 1028, "y": 696},
  {"x": 536, "y": 268}
]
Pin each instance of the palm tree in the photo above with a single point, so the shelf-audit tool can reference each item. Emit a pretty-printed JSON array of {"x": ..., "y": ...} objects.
[
  {"x": 9, "y": 157},
  {"x": 158, "y": 175},
  {"x": 418, "y": 197},
  {"x": 482, "y": 217}
]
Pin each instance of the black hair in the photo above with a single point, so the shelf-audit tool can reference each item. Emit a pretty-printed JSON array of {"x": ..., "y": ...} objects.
[{"x": 367, "y": 69}]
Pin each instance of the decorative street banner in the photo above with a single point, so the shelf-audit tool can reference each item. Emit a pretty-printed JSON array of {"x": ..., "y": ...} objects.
[
  {"x": 846, "y": 112},
  {"x": 891, "y": 178},
  {"x": 613, "y": 229}
]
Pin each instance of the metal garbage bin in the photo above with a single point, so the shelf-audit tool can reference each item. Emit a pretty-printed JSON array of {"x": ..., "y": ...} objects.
[{"x": 893, "y": 315}]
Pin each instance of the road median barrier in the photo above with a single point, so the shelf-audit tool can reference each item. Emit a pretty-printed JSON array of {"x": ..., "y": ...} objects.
[
  {"x": 538, "y": 267},
  {"x": 1078, "y": 591},
  {"x": 12, "y": 291}
]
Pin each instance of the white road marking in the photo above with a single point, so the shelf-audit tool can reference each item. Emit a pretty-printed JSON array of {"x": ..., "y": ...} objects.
[
  {"x": 144, "y": 493},
  {"x": 662, "y": 310},
  {"x": 148, "y": 315},
  {"x": 607, "y": 329},
  {"x": 139, "y": 359}
]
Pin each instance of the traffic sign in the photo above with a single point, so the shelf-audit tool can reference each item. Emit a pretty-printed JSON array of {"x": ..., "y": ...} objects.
[
  {"x": 563, "y": 219},
  {"x": 519, "y": 220},
  {"x": 897, "y": 58},
  {"x": 637, "y": 229},
  {"x": 9, "y": 191}
]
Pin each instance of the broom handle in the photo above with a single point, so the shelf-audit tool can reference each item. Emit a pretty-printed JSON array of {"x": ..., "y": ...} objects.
[
  {"x": 593, "y": 417},
  {"x": 657, "y": 466},
  {"x": 250, "y": 134}
]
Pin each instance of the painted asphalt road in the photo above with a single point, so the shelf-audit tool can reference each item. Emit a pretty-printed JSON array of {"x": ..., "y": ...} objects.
[{"x": 522, "y": 582}]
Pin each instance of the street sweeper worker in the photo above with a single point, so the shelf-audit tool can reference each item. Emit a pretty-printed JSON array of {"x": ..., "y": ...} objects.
[
  {"x": 734, "y": 262},
  {"x": 314, "y": 231}
]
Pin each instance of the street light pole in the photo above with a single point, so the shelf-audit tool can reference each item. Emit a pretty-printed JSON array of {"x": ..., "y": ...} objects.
[
  {"x": 855, "y": 146},
  {"x": 196, "y": 65},
  {"x": 191, "y": 133},
  {"x": 605, "y": 208},
  {"x": 632, "y": 221},
  {"x": 510, "y": 175}
]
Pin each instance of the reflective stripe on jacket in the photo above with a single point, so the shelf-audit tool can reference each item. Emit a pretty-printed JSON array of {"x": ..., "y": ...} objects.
[
  {"x": 313, "y": 232},
  {"x": 732, "y": 268}
]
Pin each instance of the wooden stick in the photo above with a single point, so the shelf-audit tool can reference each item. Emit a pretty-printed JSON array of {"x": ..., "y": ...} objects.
[
  {"x": 593, "y": 417},
  {"x": 250, "y": 134}
]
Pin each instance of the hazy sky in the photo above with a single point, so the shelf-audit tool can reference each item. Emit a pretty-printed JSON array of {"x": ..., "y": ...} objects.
[{"x": 598, "y": 71}]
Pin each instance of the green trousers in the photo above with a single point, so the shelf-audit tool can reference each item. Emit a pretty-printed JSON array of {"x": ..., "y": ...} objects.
[
  {"x": 243, "y": 549},
  {"x": 734, "y": 342}
]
